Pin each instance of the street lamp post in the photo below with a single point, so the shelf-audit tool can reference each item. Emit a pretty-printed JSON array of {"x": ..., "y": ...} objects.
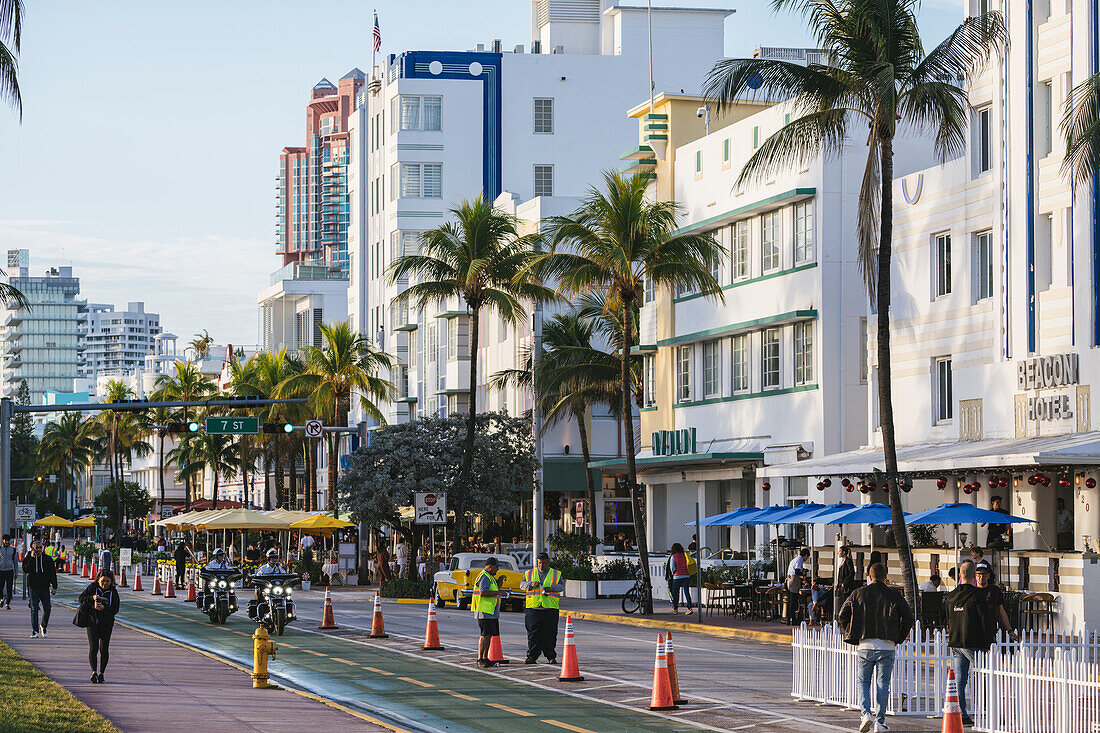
[{"x": 538, "y": 528}]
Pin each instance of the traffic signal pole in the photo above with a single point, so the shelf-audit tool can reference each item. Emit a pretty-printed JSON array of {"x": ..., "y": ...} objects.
[{"x": 7, "y": 513}]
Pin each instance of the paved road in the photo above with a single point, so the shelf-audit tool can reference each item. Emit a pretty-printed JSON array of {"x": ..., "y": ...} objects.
[{"x": 730, "y": 684}]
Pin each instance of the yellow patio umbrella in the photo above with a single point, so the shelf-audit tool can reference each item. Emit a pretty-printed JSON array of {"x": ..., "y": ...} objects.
[
  {"x": 242, "y": 519},
  {"x": 52, "y": 521},
  {"x": 88, "y": 521},
  {"x": 289, "y": 515},
  {"x": 320, "y": 523}
]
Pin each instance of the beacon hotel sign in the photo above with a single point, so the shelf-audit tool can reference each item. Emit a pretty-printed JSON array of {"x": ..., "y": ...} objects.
[{"x": 1048, "y": 373}]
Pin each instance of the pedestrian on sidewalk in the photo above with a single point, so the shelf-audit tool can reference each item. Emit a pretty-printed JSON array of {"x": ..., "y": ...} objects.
[
  {"x": 875, "y": 619},
  {"x": 100, "y": 601},
  {"x": 678, "y": 570},
  {"x": 41, "y": 583},
  {"x": 486, "y": 606},
  {"x": 544, "y": 587},
  {"x": 9, "y": 569},
  {"x": 182, "y": 553},
  {"x": 968, "y": 628},
  {"x": 845, "y": 577}
]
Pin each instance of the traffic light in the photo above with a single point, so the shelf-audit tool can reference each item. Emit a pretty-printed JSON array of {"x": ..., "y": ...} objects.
[
  {"x": 182, "y": 427},
  {"x": 277, "y": 427}
]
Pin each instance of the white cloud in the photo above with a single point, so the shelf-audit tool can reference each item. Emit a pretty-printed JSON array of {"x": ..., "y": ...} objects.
[{"x": 194, "y": 283}]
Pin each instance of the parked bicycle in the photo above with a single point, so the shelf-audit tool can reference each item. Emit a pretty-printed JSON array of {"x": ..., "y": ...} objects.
[{"x": 638, "y": 597}]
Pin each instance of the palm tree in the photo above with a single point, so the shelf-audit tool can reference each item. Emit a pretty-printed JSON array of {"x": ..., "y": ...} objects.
[
  {"x": 266, "y": 371},
  {"x": 117, "y": 391},
  {"x": 159, "y": 416},
  {"x": 67, "y": 448},
  {"x": 201, "y": 344},
  {"x": 1081, "y": 126},
  {"x": 480, "y": 260},
  {"x": 573, "y": 376},
  {"x": 214, "y": 452},
  {"x": 346, "y": 363},
  {"x": 611, "y": 245},
  {"x": 878, "y": 76},
  {"x": 11, "y": 31},
  {"x": 184, "y": 383}
]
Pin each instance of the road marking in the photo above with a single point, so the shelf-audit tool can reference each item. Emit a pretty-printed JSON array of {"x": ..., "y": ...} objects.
[
  {"x": 344, "y": 661},
  {"x": 288, "y": 646},
  {"x": 379, "y": 671},
  {"x": 566, "y": 726},
  {"x": 636, "y": 699},
  {"x": 459, "y": 695},
  {"x": 415, "y": 682},
  {"x": 242, "y": 633},
  {"x": 507, "y": 709},
  {"x": 703, "y": 710},
  {"x": 602, "y": 687},
  {"x": 319, "y": 654}
]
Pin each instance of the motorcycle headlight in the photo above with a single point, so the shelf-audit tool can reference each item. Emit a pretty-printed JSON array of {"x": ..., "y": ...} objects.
[
  {"x": 287, "y": 591},
  {"x": 267, "y": 593},
  {"x": 232, "y": 584},
  {"x": 213, "y": 584},
  {"x": 222, "y": 584},
  {"x": 278, "y": 590}
]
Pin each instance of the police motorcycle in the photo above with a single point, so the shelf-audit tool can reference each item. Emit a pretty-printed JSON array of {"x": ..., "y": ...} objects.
[
  {"x": 217, "y": 596},
  {"x": 274, "y": 609}
]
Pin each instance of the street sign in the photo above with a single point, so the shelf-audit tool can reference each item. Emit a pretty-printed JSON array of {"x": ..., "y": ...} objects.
[
  {"x": 233, "y": 425},
  {"x": 579, "y": 513},
  {"x": 167, "y": 510},
  {"x": 125, "y": 557},
  {"x": 430, "y": 508},
  {"x": 314, "y": 428},
  {"x": 53, "y": 478},
  {"x": 25, "y": 513}
]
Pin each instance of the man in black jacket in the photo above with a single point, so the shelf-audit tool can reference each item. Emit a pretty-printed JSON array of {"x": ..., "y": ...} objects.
[
  {"x": 875, "y": 619},
  {"x": 41, "y": 578},
  {"x": 965, "y": 615}
]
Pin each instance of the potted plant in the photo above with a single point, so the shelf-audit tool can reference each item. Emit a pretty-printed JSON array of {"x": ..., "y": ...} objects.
[
  {"x": 305, "y": 581},
  {"x": 616, "y": 577}
]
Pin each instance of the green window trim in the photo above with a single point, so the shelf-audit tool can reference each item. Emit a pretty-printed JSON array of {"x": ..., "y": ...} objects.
[
  {"x": 647, "y": 409},
  {"x": 643, "y": 348},
  {"x": 770, "y": 201},
  {"x": 733, "y": 328},
  {"x": 748, "y": 396},
  {"x": 698, "y": 161},
  {"x": 680, "y": 458},
  {"x": 755, "y": 137},
  {"x": 726, "y": 150},
  {"x": 751, "y": 280}
]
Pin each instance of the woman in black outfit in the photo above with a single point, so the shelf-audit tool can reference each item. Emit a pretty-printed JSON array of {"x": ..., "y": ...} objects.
[
  {"x": 100, "y": 600},
  {"x": 845, "y": 578}
]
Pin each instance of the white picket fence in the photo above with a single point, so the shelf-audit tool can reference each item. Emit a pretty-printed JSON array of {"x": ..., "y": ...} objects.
[{"x": 1047, "y": 683}]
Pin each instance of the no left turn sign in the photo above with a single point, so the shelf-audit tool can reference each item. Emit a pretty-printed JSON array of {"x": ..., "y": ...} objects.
[{"x": 313, "y": 428}]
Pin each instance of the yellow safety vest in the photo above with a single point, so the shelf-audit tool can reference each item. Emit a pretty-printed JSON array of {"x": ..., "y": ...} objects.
[
  {"x": 536, "y": 597},
  {"x": 484, "y": 605},
  {"x": 51, "y": 551}
]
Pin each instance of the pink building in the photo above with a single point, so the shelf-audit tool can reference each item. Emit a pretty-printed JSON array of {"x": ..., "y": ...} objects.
[{"x": 311, "y": 189}]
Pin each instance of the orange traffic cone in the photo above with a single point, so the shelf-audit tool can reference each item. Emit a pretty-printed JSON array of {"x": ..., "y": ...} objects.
[
  {"x": 171, "y": 588},
  {"x": 122, "y": 580},
  {"x": 156, "y": 585},
  {"x": 137, "y": 581},
  {"x": 84, "y": 569},
  {"x": 95, "y": 569},
  {"x": 377, "y": 628},
  {"x": 192, "y": 596},
  {"x": 496, "y": 654},
  {"x": 570, "y": 670},
  {"x": 662, "y": 688},
  {"x": 952, "y": 714},
  {"x": 431, "y": 635},
  {"x": 674, "y": 682},
  {"x": 328, "y": 621}
]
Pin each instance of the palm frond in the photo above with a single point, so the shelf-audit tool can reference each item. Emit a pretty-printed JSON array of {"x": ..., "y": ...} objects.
[{"x": 1081, "y": 126}]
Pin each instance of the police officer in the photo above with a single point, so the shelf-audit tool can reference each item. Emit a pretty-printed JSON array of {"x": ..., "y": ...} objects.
[
  {"x": 271, "y": 566},
  {"x": 219, "y": 562},
  {"x": 486, "y": 607},
  {"x": 544, "y": 586}
]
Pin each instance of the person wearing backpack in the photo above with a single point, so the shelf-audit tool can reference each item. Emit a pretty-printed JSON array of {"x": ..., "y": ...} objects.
[{"x": 680, "y": 568}]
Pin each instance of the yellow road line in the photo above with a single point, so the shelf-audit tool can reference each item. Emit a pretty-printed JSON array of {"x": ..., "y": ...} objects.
[
  {"x": 242, "y": 633},
  {"x": 459, "y": 695},
  {"x": 566, "y": 726},
  {"x": 507, "y": 709},
  {"x": 415, "y": 682},
  {"x": 310, "y": 651},
  {"x": 379, "y": 671},
  {"x": 344, "y": 661},
  {"x": 288, "y": 646}
]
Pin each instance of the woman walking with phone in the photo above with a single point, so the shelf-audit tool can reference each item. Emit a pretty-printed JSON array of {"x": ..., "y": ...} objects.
[{"x": 100, "y": 602}]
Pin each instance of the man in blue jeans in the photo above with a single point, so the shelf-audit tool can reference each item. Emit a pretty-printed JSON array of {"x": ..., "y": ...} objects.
[
  {"x": 41, "y": 577},
  {"x": 968, "y": 629},
  {"x": 875, "y": 619}
]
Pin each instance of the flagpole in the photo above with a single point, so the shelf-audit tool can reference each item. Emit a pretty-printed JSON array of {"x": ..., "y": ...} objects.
[
  {"x": 649, "y": 18},
  {"x": 373, "y": 51}
]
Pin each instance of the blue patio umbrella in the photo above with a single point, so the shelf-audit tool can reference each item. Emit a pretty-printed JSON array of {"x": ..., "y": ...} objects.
[
  {"x": 765, "y": 515},
  {"x": 823, "y": 510},
  {"x": 861, "y": 514},
  {"x": 961, "y": 513},
  {"x": 722, "y": 519},
  {"x": 801, "y": 513}
]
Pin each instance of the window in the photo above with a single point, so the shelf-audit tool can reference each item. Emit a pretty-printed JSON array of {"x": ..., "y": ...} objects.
[
  {"x": 769, "y": 229},
  {"x": 544, "y": 116},
  {"x": 804, "y": 352},
  {"x": 419, "y": 113},
  {"x": 803, "y": 232},
  {"x": 755, "y": 137},
  {"x": 649, "y": 383},
  {"x": 683, "y": 374},
  {"x": 433, "y": 181},
  {"x": 433, "y": 113},
  {"x": 726, "y": 151},
  {"x": 544, "y": 180},
  {"x": 864, "y": 350},
  {"x": 712, "y": 369},
  {"x": 983, "y": 244},
  {"x": 458, "y": 338},
  {"x": 422, "y": 180},
  {"x": 410, "y": 180},
  {"x": 698, "y": 163},
  {"x": 739, "y": 250},
  {"x": 985, "y": 140},
  {"x": 942, "y": 389},
  {"x": 1044, "y": 252},
  {"x": 942, "y": 264},
  {"x": 648, "y": 290},
  {"x": 770, "y": 360},
  {"x": 1044, "y": 122},
  {"x": 741, "y": 363}
]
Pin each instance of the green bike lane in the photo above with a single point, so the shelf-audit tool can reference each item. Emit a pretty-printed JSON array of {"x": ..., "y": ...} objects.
[{"x": 413, "y": 689}]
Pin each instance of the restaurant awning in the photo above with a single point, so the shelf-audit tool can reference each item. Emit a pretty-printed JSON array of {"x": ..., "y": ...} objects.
[{"x": 979, "y": 455}]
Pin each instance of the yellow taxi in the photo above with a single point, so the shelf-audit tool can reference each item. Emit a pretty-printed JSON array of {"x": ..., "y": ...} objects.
[{"x": 456, "y": 583}]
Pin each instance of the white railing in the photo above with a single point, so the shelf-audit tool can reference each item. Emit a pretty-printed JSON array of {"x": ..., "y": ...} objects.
[{"x": 1047, "y": 683}]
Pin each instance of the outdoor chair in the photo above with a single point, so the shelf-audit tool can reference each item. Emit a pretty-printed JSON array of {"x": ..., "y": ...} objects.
[
  {"x": 714, "y": 597},
  {"x": 1037, "y": 611},
  {"x": 931, "y": 609}
]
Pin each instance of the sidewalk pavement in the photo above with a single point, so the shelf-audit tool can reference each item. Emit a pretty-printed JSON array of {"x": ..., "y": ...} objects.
[
  {"x": 718, "y": 624},
  {"x": 156, "y": 685}
]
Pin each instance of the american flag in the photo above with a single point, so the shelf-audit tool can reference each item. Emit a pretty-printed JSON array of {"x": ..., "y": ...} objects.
[{"x": 377, "y": 34}]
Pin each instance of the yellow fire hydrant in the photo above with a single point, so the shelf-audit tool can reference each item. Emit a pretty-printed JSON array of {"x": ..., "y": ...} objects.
[{"x": 263, "y": 648}]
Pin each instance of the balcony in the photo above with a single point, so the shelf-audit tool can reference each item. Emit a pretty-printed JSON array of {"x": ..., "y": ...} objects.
[{"x": 402, "y": 318}]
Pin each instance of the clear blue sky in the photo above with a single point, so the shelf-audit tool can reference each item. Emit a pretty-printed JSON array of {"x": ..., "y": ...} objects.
[{"x": 147, "y": 152}]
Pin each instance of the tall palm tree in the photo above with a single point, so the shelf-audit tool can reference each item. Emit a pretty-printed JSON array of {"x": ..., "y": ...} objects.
[
  {"x": 159, "y": 416},
  {"x": 201, "y": 344},
  {"x": 1081, "y": 126},
  {"x": 611, "y": 245},
  {"x": 480, "y": 261},
  {"x": 878, "y": 77},
  {"x": 214, "y": 452},
  {"x": 347, "y": 363},
  {"x": 184, "y": 383},
  {"x": 117, "y": 391},
  {"x": 267, "y": 370},
  {"x": 11, "y": 31},
  {"x": 573, "y": 376},
  {"x": 67, "y": 448}
]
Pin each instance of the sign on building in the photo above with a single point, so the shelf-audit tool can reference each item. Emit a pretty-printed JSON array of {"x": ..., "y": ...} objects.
[
  {"x": 674, "y": 442},
  {"x": 1041, "y": 373},
  {"x": 430, "y": 508}
]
